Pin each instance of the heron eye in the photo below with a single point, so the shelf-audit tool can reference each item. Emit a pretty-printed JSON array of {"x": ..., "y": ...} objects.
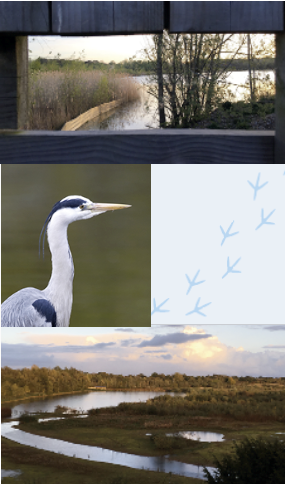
[{"x": 81, "y": 207}]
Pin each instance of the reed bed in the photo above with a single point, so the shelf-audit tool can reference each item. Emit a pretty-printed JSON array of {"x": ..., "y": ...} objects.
[{"x": 57, "y": 97}]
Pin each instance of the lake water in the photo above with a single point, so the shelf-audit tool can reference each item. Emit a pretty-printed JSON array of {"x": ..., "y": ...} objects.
[
  {"x": 82, "y": 401},
  {"x": 161, "y": 464},
  {"x": 142, "y": 114}
]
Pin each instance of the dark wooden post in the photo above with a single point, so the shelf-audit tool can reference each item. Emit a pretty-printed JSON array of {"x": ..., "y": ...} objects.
[
  {"x": 8, "y": 83},
  {"x": 14, "y": 82},
  {"x": 22, "y": 61},
  {"x": 17, "y": 20},
  {"x": 280, "y": 99}
]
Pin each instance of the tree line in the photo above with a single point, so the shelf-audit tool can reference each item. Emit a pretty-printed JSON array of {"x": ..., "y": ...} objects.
[
  {"x": 35, "y": 381},
  {"x": 132, "y": 66}
]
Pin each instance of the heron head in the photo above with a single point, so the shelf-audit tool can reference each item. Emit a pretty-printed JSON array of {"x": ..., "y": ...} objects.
[{"x": 76, "y": 207}]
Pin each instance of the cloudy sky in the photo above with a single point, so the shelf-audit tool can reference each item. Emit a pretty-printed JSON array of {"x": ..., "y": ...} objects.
[
  {"x": 194, "y": 350},
  {"x": 191, "y": 205}
]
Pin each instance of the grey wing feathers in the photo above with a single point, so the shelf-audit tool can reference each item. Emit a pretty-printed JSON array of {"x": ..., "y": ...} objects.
[{"x": 28, "y": 307}]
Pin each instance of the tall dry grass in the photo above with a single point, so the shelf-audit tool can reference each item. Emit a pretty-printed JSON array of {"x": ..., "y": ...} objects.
[{"x": 57, "y": 97}]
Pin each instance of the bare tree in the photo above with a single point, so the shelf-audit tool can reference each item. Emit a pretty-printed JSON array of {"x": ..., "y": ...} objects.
[{"x": 189, "y": 78}]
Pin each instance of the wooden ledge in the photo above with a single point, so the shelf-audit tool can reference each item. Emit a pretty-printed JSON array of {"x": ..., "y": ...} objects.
[{"x": 141, "y": 146}]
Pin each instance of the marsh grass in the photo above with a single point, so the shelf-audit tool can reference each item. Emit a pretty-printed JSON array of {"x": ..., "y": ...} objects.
[
  {"x": 59, "y": 96},
  {"x": 253, "y": 405}
]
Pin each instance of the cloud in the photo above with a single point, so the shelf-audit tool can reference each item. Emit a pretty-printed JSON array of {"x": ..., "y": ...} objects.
[
  {"x": 275, "y": 346},
  {"x": 165, "y": 357},
  {"x": 155, "y": 351},
  {"x": 193, "y": 330},
  {"x": 129, "y": 342},
  {"x": 278, "y": 327},
  {"x": 125, "y": 330},
  {"x": 79, "y": 348},
  {"x": 171, "y": 338},
  {"x": 21, "y": 356},
  {"x": 32, "y": 350},
  {"x": 91, "y": 339}
]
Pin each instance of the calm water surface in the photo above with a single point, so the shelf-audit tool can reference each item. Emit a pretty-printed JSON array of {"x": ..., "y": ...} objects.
[
  {"x": 83, "y": 402},
  {"x": 143, "y": 114},
  {"x": 161, "y": 464},
  {"x": 140, "y": 114}
]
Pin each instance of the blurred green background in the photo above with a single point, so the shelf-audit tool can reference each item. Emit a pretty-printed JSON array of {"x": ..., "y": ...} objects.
[{"x": 111, "y": 252}]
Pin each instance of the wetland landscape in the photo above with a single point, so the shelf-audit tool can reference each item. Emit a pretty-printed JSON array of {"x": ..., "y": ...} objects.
[{"x": 156, "y": 435}]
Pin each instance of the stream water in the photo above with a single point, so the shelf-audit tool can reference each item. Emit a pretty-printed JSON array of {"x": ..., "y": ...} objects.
[{"x": 87, "y": 452}]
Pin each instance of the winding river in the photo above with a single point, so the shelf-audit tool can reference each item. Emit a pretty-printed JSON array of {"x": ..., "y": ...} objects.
[
  {"x": 87, "y": 452},
  {"x": 99, "y": 399}
]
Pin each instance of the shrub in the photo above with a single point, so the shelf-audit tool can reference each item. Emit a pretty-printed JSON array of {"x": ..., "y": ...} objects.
[
  {"x": 256, "y": 461},
  {"x": 28, "y": 418},
  {"x": 59, "y": 409},
  {"x": 164, "y": 442}
]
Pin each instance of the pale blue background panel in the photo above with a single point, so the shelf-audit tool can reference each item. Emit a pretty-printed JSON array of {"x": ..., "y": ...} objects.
[{"x": 218, "y": 238}]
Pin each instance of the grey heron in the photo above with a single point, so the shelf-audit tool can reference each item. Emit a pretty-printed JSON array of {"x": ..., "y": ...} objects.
[{"x": 52, "y": 306}]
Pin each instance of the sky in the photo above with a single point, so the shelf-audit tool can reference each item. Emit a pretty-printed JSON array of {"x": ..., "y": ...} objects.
[
  {"x": 239, "y": 350},
  {"x": 192, "y": 205},
  {"x": 107, "y": 48}
]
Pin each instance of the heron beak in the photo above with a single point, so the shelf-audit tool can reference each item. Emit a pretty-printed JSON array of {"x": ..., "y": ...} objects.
[{"x": 105, "y": 207}]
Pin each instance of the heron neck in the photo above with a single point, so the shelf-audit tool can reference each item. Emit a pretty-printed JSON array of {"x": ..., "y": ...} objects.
[{"x": 59, "y": 289}]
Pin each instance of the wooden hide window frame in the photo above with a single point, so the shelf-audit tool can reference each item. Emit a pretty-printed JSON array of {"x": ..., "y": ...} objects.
[{"x": 20, "y": 19}]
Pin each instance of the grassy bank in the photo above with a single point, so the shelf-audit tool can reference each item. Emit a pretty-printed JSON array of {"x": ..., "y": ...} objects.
[
  {"x": 41, "y": 467},
  {"x": 59, "y": 96}
]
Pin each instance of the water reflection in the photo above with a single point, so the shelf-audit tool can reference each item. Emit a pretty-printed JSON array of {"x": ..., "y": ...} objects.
[
  {"x": 97, "y": 454},
  {"x": 9, "y": 473},
  {"x": 201, "y": 436},
  {"x": 141, "y": 114},
  {"x": 83, "y": 402}
]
